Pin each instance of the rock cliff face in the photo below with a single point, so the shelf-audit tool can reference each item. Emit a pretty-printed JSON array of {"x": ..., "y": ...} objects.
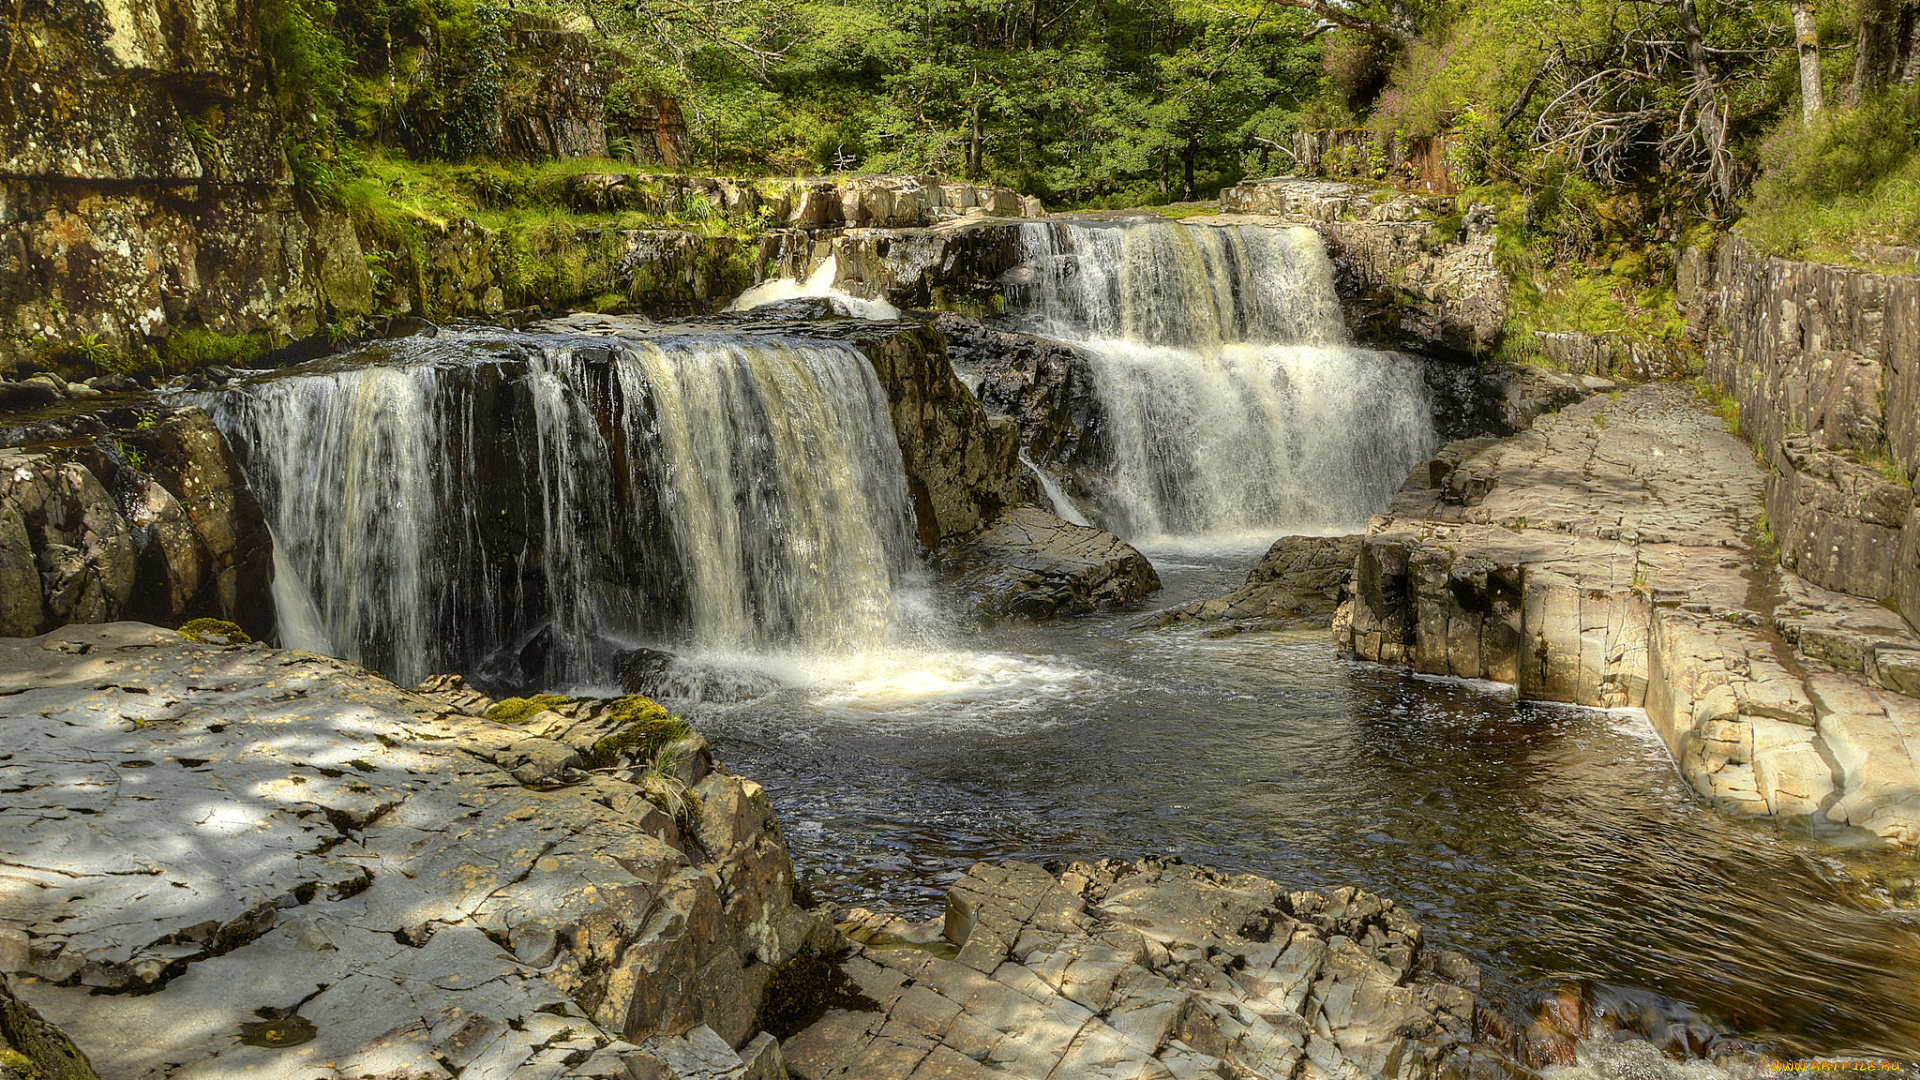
[
  {"x": 963, "y": 466},
  {"x": 1405, "y": 284},
  {"x": 307, "y": 871},
  {"x": 1824, "y": 362},
  {"x": 129, "y": 514},
  {"x": 143, "y": 189},
  {"x": 145, "y": 186},
  {"x": 1045, "y": 387},
  {"x": 1605, "y": 558}
]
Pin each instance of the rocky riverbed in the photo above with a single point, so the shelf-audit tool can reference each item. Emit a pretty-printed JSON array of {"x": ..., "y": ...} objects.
[{"x": 231, "y": 860}]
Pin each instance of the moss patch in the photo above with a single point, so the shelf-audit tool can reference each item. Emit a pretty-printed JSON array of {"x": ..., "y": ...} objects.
[
  {"x": 215, "y": 632},
  {"x": 645, "y": 728},
  {"x": 803, "y": 989},
  {"x": 516, "y": 710}
]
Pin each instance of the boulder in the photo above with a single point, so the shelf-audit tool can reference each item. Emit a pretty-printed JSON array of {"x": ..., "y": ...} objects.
[
  {"x": 152, "y": 519},
  {"x": 1030, "y": 564},
  {"x": 1298, "y": 584}
]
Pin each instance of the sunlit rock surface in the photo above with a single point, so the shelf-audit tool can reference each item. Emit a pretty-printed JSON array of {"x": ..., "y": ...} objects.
[
  {"x": 1605, "y": 558},
  {"x": 1150, "y": 971},
  {"x": 253, "y": 862}
]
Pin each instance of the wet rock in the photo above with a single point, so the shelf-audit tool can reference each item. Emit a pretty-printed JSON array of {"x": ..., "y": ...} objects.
[
  {"x": 26, "y": 395},
  {"x": 963, "y": 466},
  {"x": 297, "y": 844},
  {"x": 1030, "y": 564},
  {"x": 1150, "y": 970},
  {"x": 1472, "y": 399},
  {"x": 1298, "y": 584},
  {"x": 1045, "y": 387}
]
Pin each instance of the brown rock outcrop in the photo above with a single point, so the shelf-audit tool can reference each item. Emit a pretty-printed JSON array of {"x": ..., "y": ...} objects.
[
  {"x": 1029, "y": 564},
  {"x": 1298, "y": 584},
  {"x": 149, "y": 517},
  {"x": 1403, "y": 282}
]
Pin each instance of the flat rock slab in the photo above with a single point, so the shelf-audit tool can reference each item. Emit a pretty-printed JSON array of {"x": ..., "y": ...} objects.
[
  {"x": 1606, "y": 557},
  {"x": 1298, "y": 584},
  {"x": 243, "y": 861},
  {"x": 1153, "y": 971},
  {"x": 1030, "y": 564}
]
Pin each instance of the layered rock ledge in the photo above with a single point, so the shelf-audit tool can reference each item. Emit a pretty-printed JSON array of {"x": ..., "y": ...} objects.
[
  {"x": 241, "y": 861},
  {"x": 1153, "y": 971},
  {"x": 1607, "y": 557},
  {"x": 1824, "y": 363}
]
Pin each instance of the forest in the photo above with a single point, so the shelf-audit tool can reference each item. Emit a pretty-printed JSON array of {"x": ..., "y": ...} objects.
[{"x": 1613, "y": 120}]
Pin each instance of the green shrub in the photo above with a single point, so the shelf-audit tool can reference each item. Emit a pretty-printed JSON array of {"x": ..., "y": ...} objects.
[{"x": 1852, "y": 177}]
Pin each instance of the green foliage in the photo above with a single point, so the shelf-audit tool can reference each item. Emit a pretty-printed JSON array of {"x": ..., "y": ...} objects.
[
  {"x": 646, "y": 728},
  {"x": 1852, "y": 177},
  {"x": 518, "y": 710},
  {"x": 1723, "y": 405},
  {"x": 193, "y": 347}
]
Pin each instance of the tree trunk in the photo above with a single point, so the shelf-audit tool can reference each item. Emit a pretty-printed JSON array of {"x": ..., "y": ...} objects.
[
  {"x": 1875, "y": 48},
  {"x": 1186, "y": 166},
  {"x": 973, "y": 143},
  {"x": 1708, "y": 105},
  {"x": 1806, "y": 31}
]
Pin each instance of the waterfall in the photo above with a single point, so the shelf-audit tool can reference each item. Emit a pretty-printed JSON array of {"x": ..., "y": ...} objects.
[
  {"x": 1234, "y": 402},
  {"x": 522, "y": 506}
]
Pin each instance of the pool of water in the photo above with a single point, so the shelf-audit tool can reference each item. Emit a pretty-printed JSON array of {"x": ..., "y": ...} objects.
[{"x": 1556, "y": 846}]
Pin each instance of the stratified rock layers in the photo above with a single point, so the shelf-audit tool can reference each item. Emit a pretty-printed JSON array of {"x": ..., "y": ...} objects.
[
  {"x": 1603, "y": 558},
  {"x": 1824, "y": 363}
]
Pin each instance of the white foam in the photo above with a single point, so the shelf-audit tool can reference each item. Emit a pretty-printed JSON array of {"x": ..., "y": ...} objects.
[{"x": 820, "y": 283}]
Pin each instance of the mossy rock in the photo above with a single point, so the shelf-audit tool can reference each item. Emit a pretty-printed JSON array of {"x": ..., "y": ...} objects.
[
  {"x": 645, "y": 728},
  {"x": 518, "y": 710},
  {"x": 215, "y": 632},
  {"x": 32, "y": 1049}
]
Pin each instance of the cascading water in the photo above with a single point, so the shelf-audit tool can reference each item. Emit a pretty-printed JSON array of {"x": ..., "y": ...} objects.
[
  {"x": 1234, "y": 402},
  {"x": 523, "y": 506}
]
